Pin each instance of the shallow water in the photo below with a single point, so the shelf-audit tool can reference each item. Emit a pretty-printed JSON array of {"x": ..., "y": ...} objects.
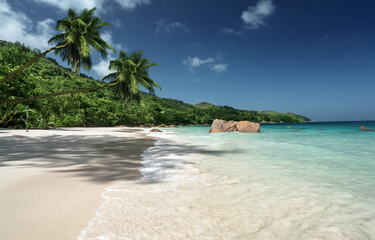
[{"x": 309, "y": 181}]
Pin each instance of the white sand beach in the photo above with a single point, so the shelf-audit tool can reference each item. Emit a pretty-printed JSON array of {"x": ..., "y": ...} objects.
[
  {"x": 51, "y": 181},
  {"x": 81, "y": 183}
]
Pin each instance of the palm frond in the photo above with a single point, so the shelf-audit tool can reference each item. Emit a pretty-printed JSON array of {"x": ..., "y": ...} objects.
[
  {"x": 81, "y": 32},
  {"x": 110, "y": 77}
]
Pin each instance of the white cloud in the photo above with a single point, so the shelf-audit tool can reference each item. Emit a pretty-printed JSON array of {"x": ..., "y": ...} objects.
[
  {"x": 166, "y": 26},
  {"x": 101, "y": 69},
  {"x": 230, "y": 31},
  {"x": 74, "y": 4},
  {"x": 255, "y": 16},
  {"x": 220, "y": 67},
  {"x": 16, "y": 26},
  {"x": 4, "y": 7},
  {"x": 131, "y": 4},
  {"x": 99, "y": 4},
  {"x": 196, "y": 61}
]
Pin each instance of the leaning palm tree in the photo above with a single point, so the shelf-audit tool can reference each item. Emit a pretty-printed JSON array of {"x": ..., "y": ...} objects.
[
  {"x": 80, "y": 33},
  {"x": 131, "y": 73}
]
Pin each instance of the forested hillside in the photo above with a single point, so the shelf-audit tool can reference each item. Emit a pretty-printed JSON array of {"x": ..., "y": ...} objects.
[{"x": 96, "y": 108}]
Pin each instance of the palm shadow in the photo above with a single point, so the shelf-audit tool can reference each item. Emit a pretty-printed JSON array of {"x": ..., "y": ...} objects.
[{"x": 97, "y": 158}]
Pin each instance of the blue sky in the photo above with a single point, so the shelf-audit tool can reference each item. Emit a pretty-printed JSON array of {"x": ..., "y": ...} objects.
[{"x": 311, "y": 57}]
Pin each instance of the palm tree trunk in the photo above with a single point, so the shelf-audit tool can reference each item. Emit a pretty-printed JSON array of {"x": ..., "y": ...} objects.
[
  {"x": 33, "y": 60},
  {"x": 78, "y": 68},
  {"x": 56, "y": 94}
]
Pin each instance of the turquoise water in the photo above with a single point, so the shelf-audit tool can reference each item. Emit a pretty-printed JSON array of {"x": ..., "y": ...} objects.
[
  {"x": 331, "y": 154},
  {"x": 313, "y": 180},
  {"x": 309, "y": 181}
]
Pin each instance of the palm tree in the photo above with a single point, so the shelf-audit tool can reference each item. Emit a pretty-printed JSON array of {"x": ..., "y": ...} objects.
[
  {"x": 81, "y": 32},
  {"x": 131, "y": 73}
]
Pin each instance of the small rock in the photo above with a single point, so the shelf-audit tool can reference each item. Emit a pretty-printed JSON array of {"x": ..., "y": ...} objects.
[
  {"x": 366, "y": 129},
  {"x": 155, "y": 130}
]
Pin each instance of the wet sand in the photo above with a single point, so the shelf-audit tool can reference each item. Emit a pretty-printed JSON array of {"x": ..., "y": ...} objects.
[{"x": 51, "y": 181}]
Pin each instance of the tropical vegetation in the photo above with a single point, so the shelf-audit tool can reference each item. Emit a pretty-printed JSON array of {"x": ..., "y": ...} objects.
[
  {"x": 81, "y": 32},
  {"x": 96, "y": 108}
]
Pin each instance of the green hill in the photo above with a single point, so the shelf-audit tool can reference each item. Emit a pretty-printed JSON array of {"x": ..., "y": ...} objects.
[
  {"x": 205, "y": 105},
  {"x": 97, "y": 108}
]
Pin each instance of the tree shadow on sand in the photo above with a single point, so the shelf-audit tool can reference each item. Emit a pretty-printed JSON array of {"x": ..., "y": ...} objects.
[{"x": 97, "y": 158}]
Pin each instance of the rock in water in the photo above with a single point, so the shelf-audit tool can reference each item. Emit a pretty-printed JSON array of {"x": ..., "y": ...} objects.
[
  {"x": 155, "y": 130},
  {"x": 231, "y": 126},
  {"x": 366, "y": 129},
  {"x": 248, "y": 127},
  {"x": 223, "y": 126}
]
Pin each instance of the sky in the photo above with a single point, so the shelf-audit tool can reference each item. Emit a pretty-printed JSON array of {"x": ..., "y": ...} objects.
[{"x": 312, "y": 57}]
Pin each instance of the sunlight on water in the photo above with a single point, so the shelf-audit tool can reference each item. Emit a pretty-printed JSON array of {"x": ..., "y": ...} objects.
[{"x": 309, "y": 181}]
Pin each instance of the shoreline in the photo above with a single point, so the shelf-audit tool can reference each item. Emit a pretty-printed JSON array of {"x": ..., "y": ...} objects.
[
  {"x": 51, "y": 181},
  {"x": 183, "y": 182}
]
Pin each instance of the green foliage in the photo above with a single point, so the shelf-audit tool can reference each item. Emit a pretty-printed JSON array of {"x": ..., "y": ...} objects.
[
  {"x": 15, "y": 54},
  {"x": 131, "y": 72},
  {"x": 96, "y": 108}
]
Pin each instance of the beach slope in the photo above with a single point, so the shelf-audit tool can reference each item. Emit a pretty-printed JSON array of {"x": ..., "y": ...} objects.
[{"x": 51, "y": 181}]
